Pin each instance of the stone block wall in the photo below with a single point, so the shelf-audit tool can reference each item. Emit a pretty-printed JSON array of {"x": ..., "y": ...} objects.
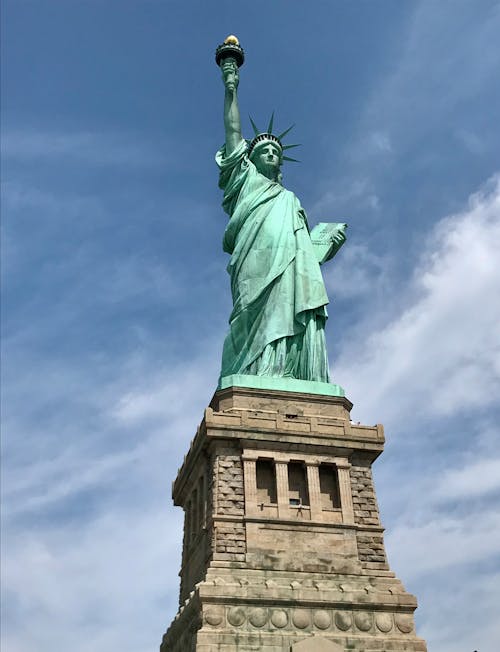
[
  {"x": 229, "y": 540},
  {"x": 371, "y": 550},
  {"x": 229, "y": 494},
  {"x": 364, "y": 499}
]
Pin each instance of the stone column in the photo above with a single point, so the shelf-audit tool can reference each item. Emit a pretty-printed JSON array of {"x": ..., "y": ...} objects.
[
  {"x": 282, "y": 489},
  {"x": 345, "y": 493},
  {"x": 314, "y": 491},
  {"x": 250, "y": 480}
]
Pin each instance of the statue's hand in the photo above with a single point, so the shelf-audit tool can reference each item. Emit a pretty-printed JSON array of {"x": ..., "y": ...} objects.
[{"x": 230, "y": 74}]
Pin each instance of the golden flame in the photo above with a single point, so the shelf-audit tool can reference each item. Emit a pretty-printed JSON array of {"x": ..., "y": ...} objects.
[{"x": 231, "y": 40}]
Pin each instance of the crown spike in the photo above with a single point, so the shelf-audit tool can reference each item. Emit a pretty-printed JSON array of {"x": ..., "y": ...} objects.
[
  {"x": 255, "y": 129},
  {"x": 271, "y": 122},
  {"x": 290, "y": 146},
  {"x": 285, "y": 132},
  {"x": 287, "y": 158}
]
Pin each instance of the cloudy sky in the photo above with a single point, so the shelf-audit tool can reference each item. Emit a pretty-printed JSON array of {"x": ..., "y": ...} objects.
[{"x": 116, "y": 298}]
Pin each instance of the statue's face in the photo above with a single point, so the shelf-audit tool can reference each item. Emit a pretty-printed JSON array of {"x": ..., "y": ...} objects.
[{"x": 267, "y": 160}]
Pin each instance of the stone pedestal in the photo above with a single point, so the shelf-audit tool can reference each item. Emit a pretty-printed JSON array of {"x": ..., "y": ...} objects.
[{"x": 283, "y": 547}]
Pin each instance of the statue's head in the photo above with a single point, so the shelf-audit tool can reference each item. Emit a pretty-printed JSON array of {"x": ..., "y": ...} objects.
[
  {"x": 267, "y": 157},
  {"x": 266, "y": 151}
]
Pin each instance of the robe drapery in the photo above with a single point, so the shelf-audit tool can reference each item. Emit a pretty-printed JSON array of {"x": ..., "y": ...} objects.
[{"x": 279, "y": 297}]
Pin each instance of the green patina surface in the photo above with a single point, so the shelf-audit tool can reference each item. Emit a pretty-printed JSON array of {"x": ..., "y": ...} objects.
[
  {"x": 281, "y": 384},
  {"x": 277, "y": 326}
]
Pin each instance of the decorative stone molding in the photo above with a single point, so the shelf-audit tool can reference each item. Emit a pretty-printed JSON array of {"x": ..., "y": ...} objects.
[{"x": 299, "y": 619}]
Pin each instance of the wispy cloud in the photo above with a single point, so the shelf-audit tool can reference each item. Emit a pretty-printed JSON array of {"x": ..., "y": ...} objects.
[
  {"x": 87, "y": 576},
  {"x": 425, "y": 360},
  {"x": 444, "y": 541},
  {"x": 88, "y": 521},
  {"x": 441, "y": 63},
  {"x": 478, "y": 478},
  {"x": 358, "y": 272},
  {"x": 91, "y": 148},
  {"x": 115, "y": 300},
  {"x": 443, "y": 347}
]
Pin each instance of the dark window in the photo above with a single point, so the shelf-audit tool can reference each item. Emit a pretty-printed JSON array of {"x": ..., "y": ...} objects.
[
  {"x": 266, "y": 482},
  {"x": 297, "y": 484},
  {"x": 188, "y": 523},
  {"x": 195, "y": 522},
  {"x": 201, "y": 502},
  {"x": 329, "y": 486}
]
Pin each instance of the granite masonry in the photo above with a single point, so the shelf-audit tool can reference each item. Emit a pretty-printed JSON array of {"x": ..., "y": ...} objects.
[{"x": 283, "y": 546}]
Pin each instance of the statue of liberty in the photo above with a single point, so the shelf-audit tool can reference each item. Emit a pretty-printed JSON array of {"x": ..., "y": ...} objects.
[{"x": 277, "y": 325}]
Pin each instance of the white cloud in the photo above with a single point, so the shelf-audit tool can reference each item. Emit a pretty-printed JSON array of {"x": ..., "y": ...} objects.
[
  {"x": 58, "y": 479},
  {"x": 170, "y": 394},
  {"x": 83, "y": 585},
  {"x": 357, "y": 272},
  {"x": 443, "y": 541},
  {"x": 113, "y": 568},
  {"x": 443, "y": 351},
  {"x": 428, "y": 370},
  {"x": 460, "y": 612},
  {"x": 476, "y": 479}
]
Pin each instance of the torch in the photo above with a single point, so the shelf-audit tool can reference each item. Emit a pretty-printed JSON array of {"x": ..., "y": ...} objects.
[{"x": 230, "y": 49}]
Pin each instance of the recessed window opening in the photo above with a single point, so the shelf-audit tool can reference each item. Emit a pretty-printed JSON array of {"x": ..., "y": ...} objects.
[
  {"x": 189, "y": 532},
  {"x": 329, "y": 486},
  {"x": 195, "y": 518},
  {"x": 201, "y": 503},
  {"x": 297, "y": 484},
  {"x": 266, "y": 482}
]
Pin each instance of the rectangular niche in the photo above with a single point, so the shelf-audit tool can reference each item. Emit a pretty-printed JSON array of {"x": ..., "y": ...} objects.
[
  {"x": 266, "y": 487},
  {"x": 329, "y": 487},
  {"x": 297, "y": 484}
]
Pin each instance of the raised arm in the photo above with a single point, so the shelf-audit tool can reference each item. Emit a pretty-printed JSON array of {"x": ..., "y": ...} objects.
[{"x": 232, "y": 122}]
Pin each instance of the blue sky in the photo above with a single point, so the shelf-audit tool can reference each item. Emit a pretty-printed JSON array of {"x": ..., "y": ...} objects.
[{"x": 116, "y": 298}]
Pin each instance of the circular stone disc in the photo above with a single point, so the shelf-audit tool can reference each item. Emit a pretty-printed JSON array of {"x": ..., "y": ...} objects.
[
  {"x": 404, "y": 623},
  {"x": 322, "y": 619},
  {"x": 301, "y": 618},
  {"x": 258, "y": 617},
  {"x": 343, "y": 620},
  {"x": 363, "y": 620},
  {"x": 279, "y": 618},
  {"x": 384, "y": 622},
  {"x": 213, "y": 617},
  {"x": 236, "y": 616}
]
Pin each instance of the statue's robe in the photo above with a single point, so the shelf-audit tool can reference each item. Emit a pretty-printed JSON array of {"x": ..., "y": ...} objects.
[{"x": 279, "y": 297}]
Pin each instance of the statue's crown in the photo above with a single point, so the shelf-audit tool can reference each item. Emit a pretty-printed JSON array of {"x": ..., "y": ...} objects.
[{"x": 268, "y": 136}]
